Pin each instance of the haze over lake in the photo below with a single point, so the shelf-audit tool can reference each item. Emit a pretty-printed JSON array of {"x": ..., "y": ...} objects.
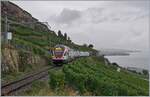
[{"x": 139, "y": 60}]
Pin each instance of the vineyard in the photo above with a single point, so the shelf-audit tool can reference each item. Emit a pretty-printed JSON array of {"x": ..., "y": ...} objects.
[{"x": 91, "y": 75}]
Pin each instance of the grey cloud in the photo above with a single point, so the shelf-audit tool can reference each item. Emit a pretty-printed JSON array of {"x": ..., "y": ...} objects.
[
  {"x": 96, "y": 15},
  {"x": 136, "y": 33},
  {"x": 112, "y": 14},
  {"x": 142, "y": 4},
  {"x": 142, "y": 16},
  {"x": 91, "y": 25},
  {"x": 106, "y": 26},
  {"x": 67, "y": 16}
]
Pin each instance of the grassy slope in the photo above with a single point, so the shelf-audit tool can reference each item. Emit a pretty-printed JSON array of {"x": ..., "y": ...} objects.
[
  {"x": 89, "y": 76},
  {"x": 36, "y": 42},
  {"x": 27, "y": 38},
  {"x": 40, "y": 88},
  {"x": 106, "y": 79}
]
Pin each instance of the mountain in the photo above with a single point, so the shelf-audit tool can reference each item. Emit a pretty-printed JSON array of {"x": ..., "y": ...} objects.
[{"x": 16, "y": 13}]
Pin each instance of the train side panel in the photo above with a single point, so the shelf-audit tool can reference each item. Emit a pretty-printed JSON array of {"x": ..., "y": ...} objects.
[{"x": 67, "y": 54}]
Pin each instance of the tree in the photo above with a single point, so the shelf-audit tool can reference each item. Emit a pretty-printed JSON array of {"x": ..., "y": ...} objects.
[
  {"x": 115, "y": 64},
  {"x": 145, "y": 72},
  {"x": 53, "y": 33},
  {"x": 65, "y": 36},
  {"x": 85, "y": 45},
  {"x": 90, "y": 46},
  {"x": 59, "y": 34},
  {"x": 69, "y": 39}
]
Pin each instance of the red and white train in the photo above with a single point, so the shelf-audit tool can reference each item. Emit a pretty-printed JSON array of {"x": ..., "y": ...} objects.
[{"x": 62, "y": 54}]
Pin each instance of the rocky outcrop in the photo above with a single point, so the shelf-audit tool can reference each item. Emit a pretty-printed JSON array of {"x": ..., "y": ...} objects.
[
  {"x": 9, "y": 60},
  {"x": 16, "y": 13},
  {"x": 15, "y": 61}
]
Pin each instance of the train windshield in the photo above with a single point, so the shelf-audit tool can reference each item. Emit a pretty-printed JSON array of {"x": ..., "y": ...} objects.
[{"x": 58, "y": 52}]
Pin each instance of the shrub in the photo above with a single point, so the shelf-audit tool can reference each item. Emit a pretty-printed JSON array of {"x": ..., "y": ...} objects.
[{"x": 56, "y": 79}]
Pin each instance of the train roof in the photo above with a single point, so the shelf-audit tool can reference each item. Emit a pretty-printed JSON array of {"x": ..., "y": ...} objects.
[{"x": 62, "y": 46}]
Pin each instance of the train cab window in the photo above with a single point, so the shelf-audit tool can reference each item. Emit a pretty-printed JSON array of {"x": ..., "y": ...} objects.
[
  {"x": 58, "y": 53},
  {"x": 65, "y": 53}
]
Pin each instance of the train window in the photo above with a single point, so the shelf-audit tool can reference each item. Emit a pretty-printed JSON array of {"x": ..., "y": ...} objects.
[
  {"x": 58, "y": 53},
  {"x": 68, "y": 53},
  {"x": 65, "y": 53}
]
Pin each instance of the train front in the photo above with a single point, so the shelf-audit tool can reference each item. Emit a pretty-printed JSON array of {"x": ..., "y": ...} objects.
[{"x": 57, "y": 54}]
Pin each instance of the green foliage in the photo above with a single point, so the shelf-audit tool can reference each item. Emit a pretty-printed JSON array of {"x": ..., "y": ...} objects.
[
  {"x": 38, "y": 88},
  {"x": 2, "y": 25},
  {"x": 90, "y": 74},
  {"x": 90, "y": 46},
  {"x": 57, "y": 80},
  {"x": 23, "y": 60},
  {"x": 84, "y": 45},
  {"x": 145, "y": 72},
  {"x": 24, "y": 31},
  {"x": 22, "y": 44},
  {"x": 40, "y": 42},
  {"x": 69, "y": 40},
  {"x": 65, "y": 36},
  {"x": 60, "y": 34}
]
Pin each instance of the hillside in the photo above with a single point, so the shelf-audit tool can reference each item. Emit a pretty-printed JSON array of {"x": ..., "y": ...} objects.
[
  {"x": 31, "y": 41},
  {"x": 91, "y": 76},
  {"x": 29, "y": 51}
]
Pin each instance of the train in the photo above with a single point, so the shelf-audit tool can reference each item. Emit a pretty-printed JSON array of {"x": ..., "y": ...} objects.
[{"x": 64, "y": 54}]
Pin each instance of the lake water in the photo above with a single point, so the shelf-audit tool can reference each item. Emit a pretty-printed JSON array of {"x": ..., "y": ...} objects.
[{"x": 139, "y": 60}]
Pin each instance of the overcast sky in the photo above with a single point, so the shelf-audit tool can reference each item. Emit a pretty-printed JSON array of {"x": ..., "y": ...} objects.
[{"x": 106, "y": 24}]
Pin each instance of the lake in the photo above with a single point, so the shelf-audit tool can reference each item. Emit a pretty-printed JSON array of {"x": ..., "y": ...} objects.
[{"x": 139, "y": 60}]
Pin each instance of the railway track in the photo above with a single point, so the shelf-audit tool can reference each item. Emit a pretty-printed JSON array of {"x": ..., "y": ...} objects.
[{"x": 12, "y": 87}]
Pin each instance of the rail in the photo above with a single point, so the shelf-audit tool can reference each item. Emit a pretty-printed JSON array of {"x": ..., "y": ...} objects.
[{"x": 12, "y": 87}]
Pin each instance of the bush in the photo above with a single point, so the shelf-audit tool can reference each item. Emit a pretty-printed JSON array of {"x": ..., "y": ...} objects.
[
  {"x": 76, "y": 80},
  {"x": 56, "y": 79},
  {"x": 145, "y": 72}
]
